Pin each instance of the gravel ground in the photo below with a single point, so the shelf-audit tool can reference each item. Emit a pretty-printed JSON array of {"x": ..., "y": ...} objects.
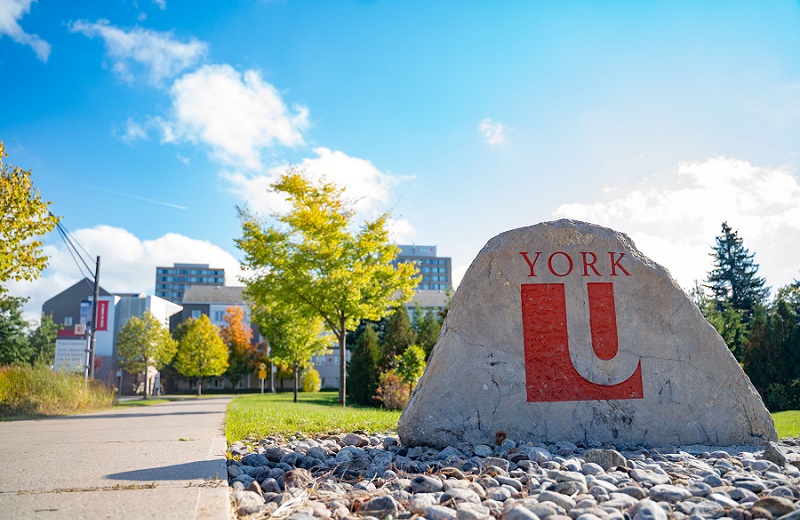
[{"x": 357, "y": 475}]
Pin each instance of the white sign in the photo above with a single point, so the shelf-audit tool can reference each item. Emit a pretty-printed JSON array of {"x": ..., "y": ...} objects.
[{"x": 70, "y": 354}]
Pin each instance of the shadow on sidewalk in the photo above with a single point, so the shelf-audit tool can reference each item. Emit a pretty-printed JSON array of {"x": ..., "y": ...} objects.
[{"x": 201, "y": 469}]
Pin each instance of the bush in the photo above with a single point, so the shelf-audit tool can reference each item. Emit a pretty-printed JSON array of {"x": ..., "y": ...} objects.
[
  {"x": 26, "y": 391},
  {"x": 311, "y": 380},
  {"x": 392, "y": 391}
]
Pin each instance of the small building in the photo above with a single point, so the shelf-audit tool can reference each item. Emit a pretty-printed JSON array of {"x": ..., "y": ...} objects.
[
  {"x": 427, "y": 300},
  {"x": 72, "y": 308}
]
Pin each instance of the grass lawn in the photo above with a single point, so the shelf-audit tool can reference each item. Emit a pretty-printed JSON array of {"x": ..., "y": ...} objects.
[
  {"x": 787, "y": 423},
  {"x": 269, "y": 414}
]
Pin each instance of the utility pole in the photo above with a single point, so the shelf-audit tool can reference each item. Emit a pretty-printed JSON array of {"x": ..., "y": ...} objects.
[{"x": 93, "y": 336}]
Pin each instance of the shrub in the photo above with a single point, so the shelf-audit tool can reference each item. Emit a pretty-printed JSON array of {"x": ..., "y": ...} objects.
[
  {"x": 392, "y": 391},
  {"x": 38, "y": 390},
  {"x": 311, "y": 380}
]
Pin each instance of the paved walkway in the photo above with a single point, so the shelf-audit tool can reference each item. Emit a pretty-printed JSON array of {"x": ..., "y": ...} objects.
[{"x": 156, "y": 461}]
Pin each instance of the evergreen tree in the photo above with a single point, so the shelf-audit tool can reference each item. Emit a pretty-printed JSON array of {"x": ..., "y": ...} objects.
[
  {"x": 43, "y": 341},
  {"x": 733, "y": 279},
  {"x": 399, "y": 336},
  {"x": 362, "y": 370},
  {"x": 428, "y": 332},
  {"x": 14, "y": 346},
  {"x": 773, "y": 356}
]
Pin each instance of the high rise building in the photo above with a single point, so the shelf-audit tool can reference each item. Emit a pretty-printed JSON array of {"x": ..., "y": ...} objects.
[
  {"x": 436, "y": 271},
  {"x": 172, "y": 282}
]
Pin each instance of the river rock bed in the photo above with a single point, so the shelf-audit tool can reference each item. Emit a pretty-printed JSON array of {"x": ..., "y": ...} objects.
[{"x": 360, "y": 475}]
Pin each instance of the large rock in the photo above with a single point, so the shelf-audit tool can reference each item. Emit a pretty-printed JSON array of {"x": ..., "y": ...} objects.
[{"x": 565, "y": 331}]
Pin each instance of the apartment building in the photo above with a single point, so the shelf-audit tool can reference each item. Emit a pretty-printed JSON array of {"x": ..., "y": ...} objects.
[
  {"x": 172, "y": 282},
  {"x": 436, "y": 271}
]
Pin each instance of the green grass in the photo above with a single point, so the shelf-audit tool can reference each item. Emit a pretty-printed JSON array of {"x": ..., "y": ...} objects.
[
  {"x": 257, "y": 416},
  {"x": 28, "y": 392},
  {"x": 787, "y": 423}
]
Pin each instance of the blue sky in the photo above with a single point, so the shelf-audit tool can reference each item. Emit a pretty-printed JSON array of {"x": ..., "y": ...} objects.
[{"x": 147, "y": 122}]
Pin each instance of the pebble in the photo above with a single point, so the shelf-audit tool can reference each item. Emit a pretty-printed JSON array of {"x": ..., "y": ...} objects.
[{"x": 372, "y": 476}]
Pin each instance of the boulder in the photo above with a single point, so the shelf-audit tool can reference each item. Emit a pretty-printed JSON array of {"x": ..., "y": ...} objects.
[{"x": 566, "y": 331}]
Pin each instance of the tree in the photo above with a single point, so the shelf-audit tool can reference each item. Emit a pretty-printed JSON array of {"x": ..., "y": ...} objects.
[
  {"x": 733, "y": 278},
  {"x": 773, "y": 353},
  {"x": 311, "y": 380},
  {"x": 427, "y": 328},
  {"x": 144, "y": 342},
  {"x": 731, "y": 326},
  {"x": 294, "y": 335},
  {"x": 411, "y": 366},
  {"x": 43, "y": 341},
  {"x": 310, "y": 258},
  {"x": 201, "y": 351},
  {"x": 399, "y": 336},
  {"x": 362, "y": 370},
  {"x": 14, "y": 346},
  {"x": 238, "y": 337},
  {"x": 23, "y": 216}
]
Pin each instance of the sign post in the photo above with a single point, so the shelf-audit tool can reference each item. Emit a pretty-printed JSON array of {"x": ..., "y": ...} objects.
[{"x": 262, "y": 375}]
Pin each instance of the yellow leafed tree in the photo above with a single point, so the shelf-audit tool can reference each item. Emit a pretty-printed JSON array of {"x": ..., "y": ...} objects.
[
  {"x": 23, "y": 217},
  {"x": 201, "y": 351}
]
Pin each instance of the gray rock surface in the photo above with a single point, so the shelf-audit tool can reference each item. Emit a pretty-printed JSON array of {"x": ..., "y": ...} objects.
[{"x": 519, "y": 358}]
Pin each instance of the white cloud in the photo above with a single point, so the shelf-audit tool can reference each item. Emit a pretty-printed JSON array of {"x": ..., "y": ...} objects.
[
  {"x": 237, "y": 115},
  {"x": 11, "y": 11},
  {"x": 161, "y": 3},
  {"x": 127, "y": 263},
  {"x": 674, "y": 219},
  {"x": 156, "y": 55},
  {"x": 134, "y": 131},
  {"x": 401, "y": 231},
  {"x": 493, "y": 133},
  {"x": 367, "y": 186},
  {"x": 458, "y": 274}
]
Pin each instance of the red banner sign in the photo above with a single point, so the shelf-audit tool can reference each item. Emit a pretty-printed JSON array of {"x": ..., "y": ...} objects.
[{"x": 102, "y": 315}]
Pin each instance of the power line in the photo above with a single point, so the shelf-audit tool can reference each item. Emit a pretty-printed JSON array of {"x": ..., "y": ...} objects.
[{"x": 70, "y": 242}]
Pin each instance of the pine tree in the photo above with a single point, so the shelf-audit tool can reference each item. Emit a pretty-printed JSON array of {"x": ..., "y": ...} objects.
[
  {"x": 15, "y": 349},
  {"x": 43, "y": 341},
  {"x": 362, "y": 370},
  {"x": 733, "y": 279},
  {"x": 428, "y": 332},
  {"x": 399, "y": 336}
]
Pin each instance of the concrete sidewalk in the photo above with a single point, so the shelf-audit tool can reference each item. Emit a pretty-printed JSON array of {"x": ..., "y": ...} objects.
[{"x": 159, "y": 461}]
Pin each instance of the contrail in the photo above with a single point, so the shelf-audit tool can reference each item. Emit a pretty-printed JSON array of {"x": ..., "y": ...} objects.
[{"x": 161, "y": 202}]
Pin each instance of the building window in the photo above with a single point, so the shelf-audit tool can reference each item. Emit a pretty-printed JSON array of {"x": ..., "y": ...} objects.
[
  {"x": 68, "y": 321},
  {"x": 218, "y": 315},
  {"x": 196, "y": 314}
]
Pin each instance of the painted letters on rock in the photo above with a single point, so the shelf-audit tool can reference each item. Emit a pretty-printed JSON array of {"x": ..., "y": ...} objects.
[{"x": 565, "y": 331}]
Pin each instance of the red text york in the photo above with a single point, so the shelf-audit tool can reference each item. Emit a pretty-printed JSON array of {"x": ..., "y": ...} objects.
[{"x": 588, "y": 263}]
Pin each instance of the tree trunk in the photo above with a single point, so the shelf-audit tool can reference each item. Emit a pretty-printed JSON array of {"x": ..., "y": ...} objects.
[
  {"x": 295, "y": 382},
  {"x": 199, "y": 386},
  {"x": 342, "y": 362},
  {"x": 144, "y": 388}
]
